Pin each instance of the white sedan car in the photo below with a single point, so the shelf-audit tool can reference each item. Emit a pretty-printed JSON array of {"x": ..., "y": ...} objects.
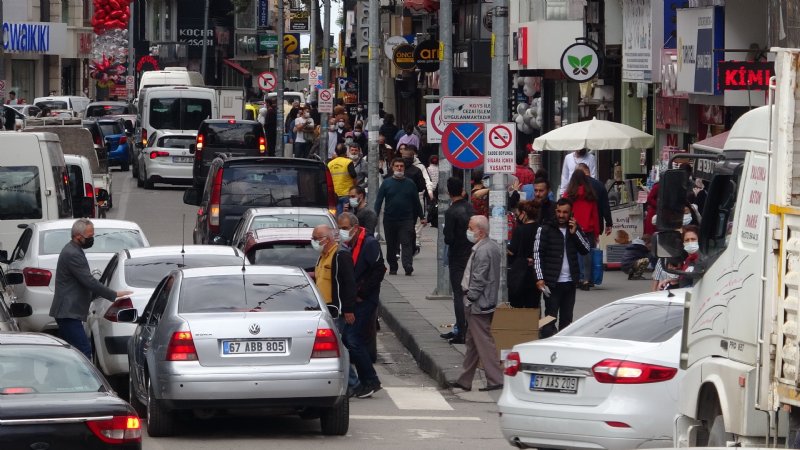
[
  {"x": 279, "y": 217},
  {"x": 140, "y": 270},
  {"x": 166, "y": 159},
  {"x": 608, "y": 381},
  {"x": 36, "y": 256}
]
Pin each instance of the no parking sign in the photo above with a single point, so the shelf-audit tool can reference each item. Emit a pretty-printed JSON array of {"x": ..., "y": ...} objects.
[{"x": 463, "y": 144}]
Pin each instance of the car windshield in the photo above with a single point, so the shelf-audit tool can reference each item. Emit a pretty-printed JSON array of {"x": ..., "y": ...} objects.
[
  {"x": 232, "y": 135},
  {"x": 106, "y": 240},
  {"x": 289, "y": 221},
  {"x": 178, "y": 113},
  {"x": 148, "y": 271},
  {"x": 299, "y": 254},
  {"x": 253, "y": 293},
  {"x": 274, "y": 186},
  {"x": 106, "y": 110},
  {"x": 53, "y": 104},
  {"x": 111, "y": 128},
  {"x": 20, "y": 193},
  {"x": 640, "y": 321},
  {"x": 40, "y": 369},
  {"x": 175, "y": 141}
]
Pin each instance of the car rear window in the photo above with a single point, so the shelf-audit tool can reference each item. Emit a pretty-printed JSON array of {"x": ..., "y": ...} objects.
[
  {"x": 253, "y": 293},
  {"x": 110, "y": 128},
  {"x": 20, "y": 193},
  {"x": 106, "y": 110},
  {"x": 296, "y": 254},
  {"x": 176, "y": 141},
  {"x": 178, "y": 113},
  {"x": 232, "y": 135},
  {"x": 289, "y": 221},
  {"x": 639, "y": 321},
  {"x": 40, "y": 369},
  {"x": 251, "y": 185},
  {"x": 106, "y": 240},
  {"x": 53, "y": 104},
  {"x": 147, "y": 272},
  {"x": 76, "y": 186}
]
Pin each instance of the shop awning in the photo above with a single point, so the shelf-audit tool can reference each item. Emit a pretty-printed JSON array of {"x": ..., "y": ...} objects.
[
  {"x": 714, "y": 144},
  {"x": 236, "y": 66}
]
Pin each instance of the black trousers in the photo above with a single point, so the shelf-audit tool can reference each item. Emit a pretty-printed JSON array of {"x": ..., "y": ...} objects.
[
  {"x": 399, "y": 235},
  {"x": 456, "y": 274},
  {"x": 560, "y": 304}
]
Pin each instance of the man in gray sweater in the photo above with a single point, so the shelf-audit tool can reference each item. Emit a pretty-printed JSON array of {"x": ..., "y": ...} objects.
[{"x": 75, "y": 287}]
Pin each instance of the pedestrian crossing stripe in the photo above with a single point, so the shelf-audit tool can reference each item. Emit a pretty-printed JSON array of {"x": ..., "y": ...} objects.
[{"x": 415, "y": 398}]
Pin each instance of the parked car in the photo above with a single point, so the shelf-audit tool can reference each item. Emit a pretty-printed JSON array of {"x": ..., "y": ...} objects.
[
  {"x": 139, "y": 271},
  {"x": 54, "y": 398},
  {"x": 20, "y": 119},
  {"x": 100, "y": 109},
  {"x": 36, "y": 257},
  {"x": 116, "y": 139},
  {"x": 610, "y": 380},
  {"x": 278, "y": 217},
  {"x": 75, "y": 103},
  {"x": 235, "y": 185},
  {"x": 81, "y": 186},
  {"x": 27, "y": 110},
  {"x": 263, "y": 335},
  {"x": 99, "y": 140},
  {"x": 231, "y": 137},
  {"x": 281, "y": 246},
  {"x": 10, "y": 311},
  {"x": 166, "y": 159}
]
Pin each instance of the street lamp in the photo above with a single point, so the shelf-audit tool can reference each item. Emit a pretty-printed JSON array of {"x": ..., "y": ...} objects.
[
  {"x": 602, "y": 112},
  {"x": 584, "y": 108}
]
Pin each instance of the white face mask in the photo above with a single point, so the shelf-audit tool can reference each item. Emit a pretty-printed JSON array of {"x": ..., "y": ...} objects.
[
  {"x": 471, "y": 236},
  {"x": 340, "y": 125},
  {"x": 357, "y": 133},
  {"x": 344, "y": 235},
  {"x": 306, "y": 115},
  {"x": 353, "y": 202},
  {"x": 354, "y": 157},
  {"x": 691, "y": 247},
  {"x": 687, "y": 219},
  {"x": 398, "y": 174},
  {"x": 316, "y": 245}
]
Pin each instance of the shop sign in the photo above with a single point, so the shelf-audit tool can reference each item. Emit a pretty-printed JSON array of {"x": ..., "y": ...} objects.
[
  {"x": 45, "y": 38},
  {"x": 193, "y": 37},
  {"x": 391, "y": 43},
  {"x": 745, "y": 75},
  {"x": 298, "y": 19},
  {"x": 426, "y": 56},
  {"x": 347, "y": 85},
  {"x": 637, "y": 40},
  {"x": 580, "y": 62},
  {"x": 700, "y": 31},
  {"x": 671, "y": 21},
  {"x": 404, "y": 57},
  {"x": 85, "y": 41},
  {"x": 245, "y": 46},
  {"x": 520, "y": 46},
  {"x": 267, "y": 44},
  {"x": 263, "y": 14},
  {"x": 291, "y": 43}
]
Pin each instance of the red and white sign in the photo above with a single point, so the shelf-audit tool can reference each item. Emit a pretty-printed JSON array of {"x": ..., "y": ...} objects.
[
  {"x": 313, "y": 77},
  {"x": 325, "y": 104},
  {"x": 500, "y": 148},
  {"x": 436, "y": 126},
  {"x": 267, "y": 81}
]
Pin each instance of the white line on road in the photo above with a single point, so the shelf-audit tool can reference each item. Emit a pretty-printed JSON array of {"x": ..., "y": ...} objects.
[
  {"x": 418, "y": 398},
  {"x": 431, "y": 418}
]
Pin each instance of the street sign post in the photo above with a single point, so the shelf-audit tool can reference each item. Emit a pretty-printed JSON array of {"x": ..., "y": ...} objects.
[
  {"x": 313, "y": 76},
  {"x": 466, "y": 109},
  {"x": 267, "y": 81},
  {"x": 435, "y": 124},
  {"x": 326, "y": 97},
  {"x": 463, "y": 144},
  {"x": 500, "y": 148}
]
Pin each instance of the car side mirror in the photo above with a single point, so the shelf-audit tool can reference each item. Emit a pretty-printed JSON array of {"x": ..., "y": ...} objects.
[
  {"x": 4, "y": 256},
  {"x": 192, "y": 197},
  {"x": 18, "y": 310},
  {"x": 14, "y": 278},
  {"x": 130, "y": 315},
  {"x": 671, "y": 199},
  {"x": 192, "y": 149},
  {"x": 334, "y": 311},
  {"x": 102, "y": 195},
  {"x": 668, "y": 244},
  {"x": 219, "y": 240}
]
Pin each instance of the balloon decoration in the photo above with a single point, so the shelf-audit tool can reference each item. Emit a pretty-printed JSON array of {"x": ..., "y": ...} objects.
[
  {"x": 528, "y": 117},
  {"x": 110, "y": 23}
]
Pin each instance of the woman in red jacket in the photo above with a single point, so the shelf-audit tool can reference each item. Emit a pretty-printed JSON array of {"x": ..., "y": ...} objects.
[{"x": 584, "y": 209}]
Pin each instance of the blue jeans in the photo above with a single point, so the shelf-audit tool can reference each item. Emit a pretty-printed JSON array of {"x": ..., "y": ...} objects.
[
  {"x": 354, "y": 338},
  {"x": 71, "y": 330},
  {"x": 340, "y": 204},
  {"x": 352, "y": 377}
]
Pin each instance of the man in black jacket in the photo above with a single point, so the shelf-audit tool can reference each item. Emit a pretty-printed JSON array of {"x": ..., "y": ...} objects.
[
  {"x": 555, "y": 264},
  {"x": 541, "y": 191},
  {"x": 456, "y": 222}
]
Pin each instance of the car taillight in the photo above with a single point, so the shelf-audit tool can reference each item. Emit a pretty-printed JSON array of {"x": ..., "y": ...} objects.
[
  {"x": 17, "y": 390},
  {"x": 198, "y": 150},
  {"x": 213, "y": 209},
  {"x": 98, "y": 140},
  {"x": 123, "y": 140},
  {"x": 231, "y": 121},
  {"x": 117, "y": 430},
  {"x": 144, "y": 137},
  {"x": 36, "y": 277},
  {"x": 89, "y": 190},
  {"x": 181, "y": 347},
  {"x": 629, "y": 372},
  {"x": 325, "y": 344},
  {"x": 154, "y": 155},
  {"x": 262, "y": 144},
  {"x": 512, "y": 364},
  {"x": 332, "y": 199},
  {"x": 119, "y": 304}
]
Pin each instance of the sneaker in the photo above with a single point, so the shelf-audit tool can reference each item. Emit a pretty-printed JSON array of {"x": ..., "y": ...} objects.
[
  {"x": 366, "y": 390},
  {"x": 352, "y": 390},
  {"x": 417, "y": 249}
]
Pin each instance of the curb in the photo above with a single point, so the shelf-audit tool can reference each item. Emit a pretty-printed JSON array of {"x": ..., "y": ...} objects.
[{"x": 434, "y": 355}]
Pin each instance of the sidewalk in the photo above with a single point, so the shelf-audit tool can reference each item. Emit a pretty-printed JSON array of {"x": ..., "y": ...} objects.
[{"x": 417, "y": 321}]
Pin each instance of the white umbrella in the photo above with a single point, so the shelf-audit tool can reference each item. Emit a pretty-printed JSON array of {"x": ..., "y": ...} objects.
[{"x": 593, "y": 135}]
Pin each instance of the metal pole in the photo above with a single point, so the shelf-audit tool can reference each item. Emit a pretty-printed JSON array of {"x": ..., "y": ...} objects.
[
  {"x": 312, "y": 46},
  {"x": 372, "y": 93},
  {"x": 131, "y": 51},
  {"x": 443, "y": 289},
  {"x": 287, "y": 151},
  {"x": 3, "y": 59},
  {"x": 326, "y": 68},
  {"x": 203, "y": 59},
  {"x": 499, "y": 114}
]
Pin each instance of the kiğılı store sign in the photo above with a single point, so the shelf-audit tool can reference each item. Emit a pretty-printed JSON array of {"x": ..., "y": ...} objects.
[{"x": 44, "y": 38}]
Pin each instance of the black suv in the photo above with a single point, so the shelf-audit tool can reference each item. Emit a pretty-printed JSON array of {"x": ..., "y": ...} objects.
[
  {"x": 225, "y": 136},
  {"x": 236, "y": 184}
]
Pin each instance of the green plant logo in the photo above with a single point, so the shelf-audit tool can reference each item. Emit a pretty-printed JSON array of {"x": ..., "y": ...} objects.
[{"x": 580, "y": 65}]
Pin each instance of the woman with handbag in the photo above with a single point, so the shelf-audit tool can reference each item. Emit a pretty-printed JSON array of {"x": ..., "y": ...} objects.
[{"x": 521, "y": 284}]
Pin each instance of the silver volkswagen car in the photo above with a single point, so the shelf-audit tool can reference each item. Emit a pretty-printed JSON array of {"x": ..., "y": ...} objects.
[{"x": 226, "y": 338}]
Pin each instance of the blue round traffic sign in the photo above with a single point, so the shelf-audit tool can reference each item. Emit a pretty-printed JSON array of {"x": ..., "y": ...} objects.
[{"x": 463, "y": 144}]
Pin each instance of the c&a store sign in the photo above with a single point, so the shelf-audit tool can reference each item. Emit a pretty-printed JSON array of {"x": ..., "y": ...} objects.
[{"x": 44, "y": 38}]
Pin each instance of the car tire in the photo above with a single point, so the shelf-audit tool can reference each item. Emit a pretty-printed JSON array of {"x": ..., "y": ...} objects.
[
  {"x": 139, "y": 179},
  {"x": 148, "y": 184},
  {"x": 110, "y": 201},
  {"x": 335, "y": 421},
  {"x": 160, "y": 422},
  {"x": 717, "y": 437},
  {"x": 140, "y": 409},
  {"x": 134, "y": 168}
]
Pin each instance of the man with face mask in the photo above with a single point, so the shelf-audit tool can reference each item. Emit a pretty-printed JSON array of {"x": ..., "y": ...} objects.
[
  {"x": 75, "y": 288},
  {"x": 356, "y": 155},
  {"x": 358, "y": 206},
  {"x": 359, "y": 137},
  {"x": 333, "y": 138},
  {"x": 571, "y": 162}
]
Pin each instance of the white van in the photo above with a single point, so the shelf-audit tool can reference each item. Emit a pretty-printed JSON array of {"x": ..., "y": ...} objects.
[
  {"x": 75, "y": 103},
  {"x": 34, "y": 183},
  {"x": 178, "y": 108},
  {"x": 170, "y": 76}
]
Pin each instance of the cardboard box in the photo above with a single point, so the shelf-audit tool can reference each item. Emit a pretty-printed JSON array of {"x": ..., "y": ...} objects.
[{"x": 511, "y": 326}]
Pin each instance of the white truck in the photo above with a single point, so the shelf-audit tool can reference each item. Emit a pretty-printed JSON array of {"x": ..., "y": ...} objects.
[{"x": 741, "y": 327}]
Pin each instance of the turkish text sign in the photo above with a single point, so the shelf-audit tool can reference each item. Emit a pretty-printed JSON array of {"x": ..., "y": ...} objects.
[
  {"x": 500, "y": 148},
  {"x": 466, "y": 109}
]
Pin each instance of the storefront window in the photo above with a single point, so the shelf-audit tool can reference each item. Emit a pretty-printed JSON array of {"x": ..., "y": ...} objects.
[
  {"x": 23, "y": 79},
  {"x": 161, "y": 26},
  {"x": 65, "y": 11},
  {"x": 167, "y": 21},
  {"x": 247, "y": 18}
]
